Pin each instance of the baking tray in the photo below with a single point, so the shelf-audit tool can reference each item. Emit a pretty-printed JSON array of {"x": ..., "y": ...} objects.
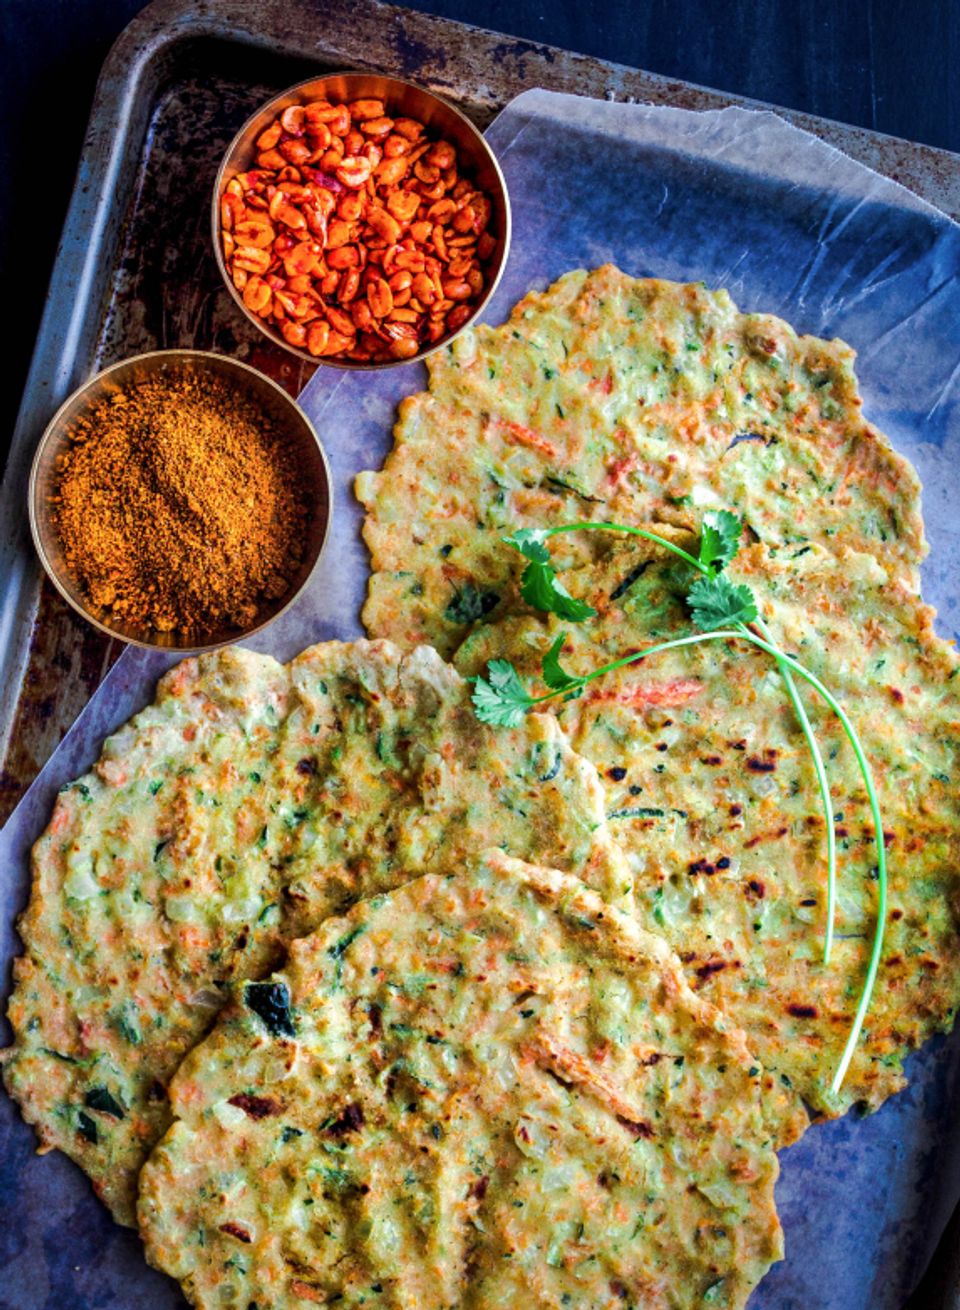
[
  {"x": 140, "y": 273},
  {"x": 134, "y": 270}
]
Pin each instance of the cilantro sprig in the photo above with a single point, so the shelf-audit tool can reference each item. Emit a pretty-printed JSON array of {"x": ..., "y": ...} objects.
[
  {"x": 539, "y": 585},
  {"x": 723, "y": 611}
]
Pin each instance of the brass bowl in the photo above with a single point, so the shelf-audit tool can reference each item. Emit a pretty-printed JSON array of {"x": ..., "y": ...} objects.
[
  {"x": 285, "y": 413},
  {"x": 401, "y": 99}
]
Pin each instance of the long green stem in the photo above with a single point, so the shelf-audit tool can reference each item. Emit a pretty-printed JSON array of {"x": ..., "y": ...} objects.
[
  {"x": 634, "y": 532},
  {"x": 822, "y": 782},
  {"x": 791, "y": 690},
  {"x": 851, "y": 734}
]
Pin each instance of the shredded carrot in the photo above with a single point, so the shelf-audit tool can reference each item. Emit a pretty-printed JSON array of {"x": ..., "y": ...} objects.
[
  {"x": 676, "y": 692},
  {"x": 522, "y": 436}
]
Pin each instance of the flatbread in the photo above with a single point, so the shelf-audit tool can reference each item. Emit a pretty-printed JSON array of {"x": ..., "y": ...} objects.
[
  {"x": 487, "y": 1089},
  {"x": 610, "y": 397},
  {"x": 712, "y": 796},
  {"x": 250, "y": 801}
]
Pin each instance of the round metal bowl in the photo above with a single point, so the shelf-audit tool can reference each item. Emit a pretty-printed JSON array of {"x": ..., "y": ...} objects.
[
  {"x": 401, "y": 99},
  {"x": 286, "y": 415}
]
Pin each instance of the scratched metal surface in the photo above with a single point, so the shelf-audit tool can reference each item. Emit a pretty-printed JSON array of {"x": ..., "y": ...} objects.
[{"x": 136, "y": 268}]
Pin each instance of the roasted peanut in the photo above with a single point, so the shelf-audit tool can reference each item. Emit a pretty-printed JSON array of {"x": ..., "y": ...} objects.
[
  {"x": 464, "y": 219},
  {"x": 424, "y": 290},
  {"x": 335, "y": 117},
  {"x": 232, "y": 210},
  {"x": 442, "y": 155},
  {"x": 372, "y": 272},
  {"x": 294, "y": 333},
  {"x": 384, "y": 224},
  {"x": 251, "y": 259},
  {"x": 379, "y": 298},
  {"x": 395, "y": 146},
  {"x": 377, "y": 127},
  {"x": 268, "y": 139},
  {"x": 340, "y": 321},
  {"x": 295, "y": 151},
  {"x": 303, "y": 258},
  {"x": 411, "y": 259},
  {"x": 319, "y": 135},
  {"x": 324, "y": 200},
  {"x": 270, "y": 159},
  {"x": 361, "y": 110},
  {"x": 339, "y": 233},
  {"x": 409, "y": 128},
  {"x": 391, "y": 171},
  {"x": 257, "y": 296},
  {"x": 403, "y": 205},
  {"x": 350, "y": 206},
  {"x": 458, "y": 316},
  {"x": 318, "y": 334},
  {"x": 293, "y": 120},
  {"x": 425, "y": 172},
  {"x": 454, "y": 289},
  {"x": 289, "y": 215},
  {"x": 343, "y": 257},
  {"x": 353, "y": 170},
  {"x": 349, "y": 286}
]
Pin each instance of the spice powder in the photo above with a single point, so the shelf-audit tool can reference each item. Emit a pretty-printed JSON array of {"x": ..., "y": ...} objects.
[{"x": 179, "y": 506}]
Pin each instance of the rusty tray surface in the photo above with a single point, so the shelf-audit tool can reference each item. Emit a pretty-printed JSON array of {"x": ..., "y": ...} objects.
[{"x": 135, "y": 271}]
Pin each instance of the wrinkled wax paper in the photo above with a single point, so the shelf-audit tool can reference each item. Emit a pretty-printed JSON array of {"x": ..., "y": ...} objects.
[{"x": 737, "y": 199}]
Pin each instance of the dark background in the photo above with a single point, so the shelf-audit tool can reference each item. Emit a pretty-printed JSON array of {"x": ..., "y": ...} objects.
[{"x": 893, "y": 65}]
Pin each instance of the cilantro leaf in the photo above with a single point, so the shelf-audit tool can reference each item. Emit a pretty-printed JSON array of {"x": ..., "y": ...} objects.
[
  {"x": 541, "y": 589},
  {"x": 717, "y": 602},
  {"x": 530, "y": 543},
  {"x": 556, "y": 678},
  {"x": 539, "y": 585},
  {"x": 719, "y": 539},
  {"x": 501, "y": 697}
]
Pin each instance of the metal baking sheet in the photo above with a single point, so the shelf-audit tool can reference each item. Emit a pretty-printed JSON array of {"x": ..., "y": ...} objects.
[
  {"x": 835, "y": 249},
  {"x": 134, "y": 270}
]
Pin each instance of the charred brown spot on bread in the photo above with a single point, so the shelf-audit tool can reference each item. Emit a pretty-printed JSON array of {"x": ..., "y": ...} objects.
[{"x": 256, "y": 1107}]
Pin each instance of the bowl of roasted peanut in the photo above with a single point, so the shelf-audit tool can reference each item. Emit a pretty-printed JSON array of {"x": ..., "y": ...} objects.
[{"x": 360, "y": 220}]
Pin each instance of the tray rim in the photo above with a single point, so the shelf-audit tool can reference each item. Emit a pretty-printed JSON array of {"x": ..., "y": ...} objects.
[{"x": 132, "y": 71}]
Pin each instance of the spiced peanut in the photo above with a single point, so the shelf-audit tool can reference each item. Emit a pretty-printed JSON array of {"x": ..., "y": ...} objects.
[{"x": 355, "y": 236}]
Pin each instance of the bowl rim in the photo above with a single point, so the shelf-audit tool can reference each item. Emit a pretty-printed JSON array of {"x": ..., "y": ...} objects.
[
  {"x": 35, "y": 514},
  {"x": 357, "y": 366}
]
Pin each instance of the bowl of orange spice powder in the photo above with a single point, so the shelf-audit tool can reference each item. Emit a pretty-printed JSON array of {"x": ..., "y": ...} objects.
[{"x": 180, "y": 499}]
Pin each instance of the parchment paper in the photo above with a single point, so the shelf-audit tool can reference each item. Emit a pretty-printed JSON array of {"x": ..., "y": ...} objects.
[{"x": 789, "y": 225}]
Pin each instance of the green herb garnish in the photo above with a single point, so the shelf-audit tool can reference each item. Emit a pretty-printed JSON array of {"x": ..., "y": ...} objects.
[
  {"x": 723, "y": 611},
  {"x": 539, "y": 585}
]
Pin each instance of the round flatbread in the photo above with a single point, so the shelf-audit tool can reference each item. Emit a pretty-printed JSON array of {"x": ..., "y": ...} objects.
[
  {"x": 632, "y": 400},
  {"x": 712, "y": 796},
  {"x": 250, "y": 801},
  {"x": 486, "y": 1089}
]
